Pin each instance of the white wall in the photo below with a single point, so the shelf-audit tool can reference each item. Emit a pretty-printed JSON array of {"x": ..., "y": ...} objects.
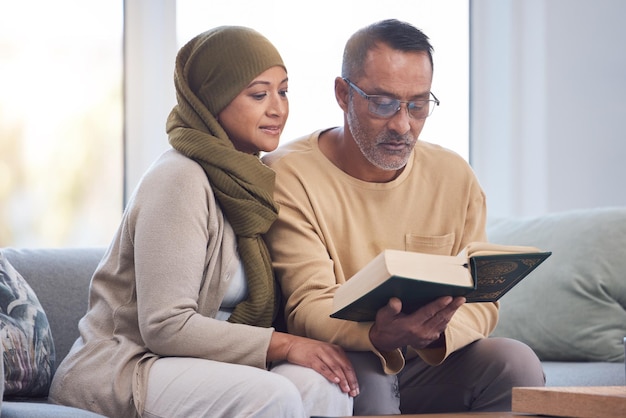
[{"x": 548, "y": 103}]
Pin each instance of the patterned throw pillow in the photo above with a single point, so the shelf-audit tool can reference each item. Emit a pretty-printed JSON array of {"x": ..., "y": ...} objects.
[{"x": 28, "y": 353}]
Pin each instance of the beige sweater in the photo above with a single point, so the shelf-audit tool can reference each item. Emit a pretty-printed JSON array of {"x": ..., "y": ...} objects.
[
  {"x": 156, "y": 293},
  {"x": 331, "y": 224}
]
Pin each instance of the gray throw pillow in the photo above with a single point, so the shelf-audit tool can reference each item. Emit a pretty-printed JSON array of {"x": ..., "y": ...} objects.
[
  {"x": 26, "y": 340},
  {"x": 573, "y": 307}
]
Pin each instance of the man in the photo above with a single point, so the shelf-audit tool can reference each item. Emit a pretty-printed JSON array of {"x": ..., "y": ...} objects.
[{"x": 347, "y": 193}]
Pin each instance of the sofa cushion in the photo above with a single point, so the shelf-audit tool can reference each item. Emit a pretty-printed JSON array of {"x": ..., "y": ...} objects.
[
  {"x": 573, "y": 307},
  {"x": 567, "y": 373},
  {"x": 25, "y": 336}
]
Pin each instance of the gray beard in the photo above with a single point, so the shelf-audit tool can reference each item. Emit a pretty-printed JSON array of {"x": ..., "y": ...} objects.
[{"x": 368, "y": 148}]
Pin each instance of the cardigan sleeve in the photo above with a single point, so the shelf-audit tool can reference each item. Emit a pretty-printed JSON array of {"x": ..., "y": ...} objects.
[{"x": 177, "y": 233}]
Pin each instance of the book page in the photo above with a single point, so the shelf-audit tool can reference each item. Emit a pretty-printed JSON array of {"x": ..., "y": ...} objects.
[
  {"x": 488, "y": 248},
  {"x": 444, "y": 269},
  {"x": 448, "y": 270}
]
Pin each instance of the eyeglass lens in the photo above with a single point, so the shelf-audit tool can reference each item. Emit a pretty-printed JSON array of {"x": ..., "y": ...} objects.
[{"x": 386, "y": 107}]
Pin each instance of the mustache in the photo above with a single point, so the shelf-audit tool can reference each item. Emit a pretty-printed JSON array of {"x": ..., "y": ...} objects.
[{"x": 394, "y": 138}]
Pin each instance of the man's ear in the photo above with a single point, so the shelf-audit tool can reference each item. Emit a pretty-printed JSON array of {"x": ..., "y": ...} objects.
[{"x": 342, "y": 93}]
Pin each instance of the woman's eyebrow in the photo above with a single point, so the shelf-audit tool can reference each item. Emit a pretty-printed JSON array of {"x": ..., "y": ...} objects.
[{"x": 265, "y": 82}]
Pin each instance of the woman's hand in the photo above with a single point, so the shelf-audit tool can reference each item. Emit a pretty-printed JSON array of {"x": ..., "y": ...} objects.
[{"x": 329, "y": 360}]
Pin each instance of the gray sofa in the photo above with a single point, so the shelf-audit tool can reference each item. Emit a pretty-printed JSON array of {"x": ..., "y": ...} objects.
[
  {"x": 571, "y": 310},
  {"x": 60, "y": 279}
]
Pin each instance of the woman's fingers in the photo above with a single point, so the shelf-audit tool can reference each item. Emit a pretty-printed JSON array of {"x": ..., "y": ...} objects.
[
  {"x": 329, "y": 360},
  {"x": 340, "y": 370}
]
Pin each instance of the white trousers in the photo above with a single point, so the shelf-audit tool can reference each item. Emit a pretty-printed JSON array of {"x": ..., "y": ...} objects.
[{"x": 193, "y": 388}]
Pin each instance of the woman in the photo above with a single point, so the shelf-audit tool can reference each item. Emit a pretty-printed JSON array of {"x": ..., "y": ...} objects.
[{"x": 181, "y": 306}]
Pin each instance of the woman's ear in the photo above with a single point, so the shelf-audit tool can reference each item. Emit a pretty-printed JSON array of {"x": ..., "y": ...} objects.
[{"x": 342, "y": 93}]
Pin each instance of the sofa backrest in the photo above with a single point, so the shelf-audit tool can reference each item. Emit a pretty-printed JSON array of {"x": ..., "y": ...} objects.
[
  {"x": 60, "y": 278},
  {"x": 573, "y": 307}
]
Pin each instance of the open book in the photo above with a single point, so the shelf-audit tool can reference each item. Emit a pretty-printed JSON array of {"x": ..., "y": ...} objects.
[{"x": 481, "y": 272}]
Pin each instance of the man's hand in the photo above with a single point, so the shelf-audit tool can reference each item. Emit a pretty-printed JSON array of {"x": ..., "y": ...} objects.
[
  {"x": 393, "y": 329},
  {"x": 327, "y": 359}
]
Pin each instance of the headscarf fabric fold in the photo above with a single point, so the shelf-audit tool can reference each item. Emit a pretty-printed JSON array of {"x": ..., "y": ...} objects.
[{"x": 211, "y": 70}]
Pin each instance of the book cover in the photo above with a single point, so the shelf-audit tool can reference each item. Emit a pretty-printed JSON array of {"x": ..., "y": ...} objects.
[
  {"x": 418, "y": 279},
  {"x": 575, "y": 402},
  {"x": 496, "y": 274}
]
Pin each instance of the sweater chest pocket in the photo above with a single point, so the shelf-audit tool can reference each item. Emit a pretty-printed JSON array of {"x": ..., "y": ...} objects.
[{"x": 432, "y": 244}]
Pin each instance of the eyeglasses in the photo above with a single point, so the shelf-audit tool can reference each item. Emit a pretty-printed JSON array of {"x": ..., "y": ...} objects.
[{"x": 386, "y": 107}]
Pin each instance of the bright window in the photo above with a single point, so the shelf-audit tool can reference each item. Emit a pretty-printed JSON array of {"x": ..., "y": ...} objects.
[
  {"x": 311, "y": 37},
  {"x": 60, "y": 122}
]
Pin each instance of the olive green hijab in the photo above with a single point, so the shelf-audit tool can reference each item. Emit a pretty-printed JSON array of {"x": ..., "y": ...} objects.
[{"x": 211, "y": 70}]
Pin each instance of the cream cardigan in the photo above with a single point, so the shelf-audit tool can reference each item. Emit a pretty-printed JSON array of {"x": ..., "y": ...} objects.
[{"x": 156, "y": 293}]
